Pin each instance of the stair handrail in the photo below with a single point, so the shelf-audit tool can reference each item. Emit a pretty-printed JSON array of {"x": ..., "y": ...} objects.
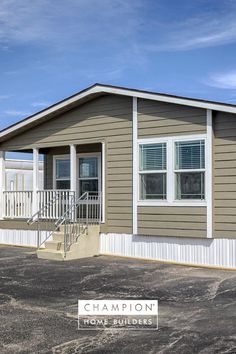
[
  {"x": 75, "y": 219},
  {"x": 35, "y": 216},
  {"x": 63, "y": 217}
]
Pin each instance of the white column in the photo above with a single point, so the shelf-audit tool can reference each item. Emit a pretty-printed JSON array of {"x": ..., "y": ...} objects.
[
  {"x": 209, "y": 167},
  {"x": 73, "y": 168},
  {"x": 135, "y": 166},
  {"x": 35, "y": 179},
  {"x": 2, "y": 183}
]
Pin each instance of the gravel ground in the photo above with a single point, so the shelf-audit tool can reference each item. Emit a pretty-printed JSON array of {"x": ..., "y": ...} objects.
[{"x": 38, "y": 305}]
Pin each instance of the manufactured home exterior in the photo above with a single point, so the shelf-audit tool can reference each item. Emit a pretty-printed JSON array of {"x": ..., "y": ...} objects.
[{"x": 164, "y": 167}]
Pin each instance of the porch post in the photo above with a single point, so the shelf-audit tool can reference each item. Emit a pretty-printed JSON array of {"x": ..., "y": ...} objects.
[
  {"x": 2, "y": 183},
  {"x": 35, "y": 179},
  {"x": 73, "y": 168}
]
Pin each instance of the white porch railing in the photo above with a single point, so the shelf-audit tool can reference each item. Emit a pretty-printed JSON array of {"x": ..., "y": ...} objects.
[
  {"x": 19, "y": 204},
  {"x": 61, "y": 200}
]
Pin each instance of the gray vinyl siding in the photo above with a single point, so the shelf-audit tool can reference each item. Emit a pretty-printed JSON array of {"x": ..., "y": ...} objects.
[
  {"x": 172, "y": 221},
  {"x": 224, "y": 174},
  {"x": 159, "y": 119},
  {"x": 109, "y": 119}
]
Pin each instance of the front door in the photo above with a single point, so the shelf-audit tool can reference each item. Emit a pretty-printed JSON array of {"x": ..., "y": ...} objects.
[{"x": 89, "y": 174}]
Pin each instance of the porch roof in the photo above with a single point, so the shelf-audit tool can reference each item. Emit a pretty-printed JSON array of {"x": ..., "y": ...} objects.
[{"x": 100, "y": 89}]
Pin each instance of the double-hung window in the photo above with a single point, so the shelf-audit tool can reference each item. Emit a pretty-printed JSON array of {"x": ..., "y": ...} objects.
[
  {"x": 152, "y": 171},
  {"x": 190, "y": 169},
  {"x": 62, "y": 173},
  {"x": 172, "y": 171}
]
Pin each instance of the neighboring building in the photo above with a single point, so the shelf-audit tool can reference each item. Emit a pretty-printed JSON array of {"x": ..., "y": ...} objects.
[
  {"x": 19, "y": 175},
  {"x": 164, "y": 166}
]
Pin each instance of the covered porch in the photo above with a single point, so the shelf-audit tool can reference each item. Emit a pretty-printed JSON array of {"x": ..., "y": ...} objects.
[{"x": 71, "y": 173}]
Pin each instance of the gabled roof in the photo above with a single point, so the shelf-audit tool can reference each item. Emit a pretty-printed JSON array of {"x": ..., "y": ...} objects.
[{"x": 98, "y": 90}]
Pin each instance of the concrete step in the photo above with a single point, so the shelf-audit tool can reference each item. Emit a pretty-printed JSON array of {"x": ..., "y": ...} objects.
[
  {"x": 50, "y": 254},
  {"x": 58, "y": 236},
  {"x": 54, "y": 245}
]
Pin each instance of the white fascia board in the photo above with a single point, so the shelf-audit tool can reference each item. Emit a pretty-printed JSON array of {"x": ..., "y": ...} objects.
[
  {"x": 124, "y": 92},
  {"x": 171, "y": 99}
]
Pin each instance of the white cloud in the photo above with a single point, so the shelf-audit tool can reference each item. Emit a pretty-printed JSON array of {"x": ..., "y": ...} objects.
[
  {"x": 40, "y": 104},
  {"x": 198, "y": 32},
  {"x": 225, "y": 80},
  {"x": 5, "y": 97},
  {"x": 59, "y": 21},
  {"x": 15, "y": 112}
]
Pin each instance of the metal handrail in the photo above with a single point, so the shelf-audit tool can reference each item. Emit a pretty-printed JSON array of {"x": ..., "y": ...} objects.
[
  {"x": 41, "y": 217},
  {"x": 36, "y": 215},
  {"x": 77, "y": 215},
  {"x": 63, "y": 217},
  {"x": 73, "y": 219}
]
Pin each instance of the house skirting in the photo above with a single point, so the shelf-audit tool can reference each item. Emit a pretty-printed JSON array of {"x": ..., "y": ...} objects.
[
  {"x": 24, "y": 238},
  {"x": 203, "y": 252}
]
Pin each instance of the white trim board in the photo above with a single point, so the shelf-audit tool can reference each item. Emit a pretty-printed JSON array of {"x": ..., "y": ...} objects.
[
  {"x": 101, "y": 89},
  {"x": 209, "y": 172},
  {"x": 205, "y": 252},
  {"x": 135, "y": 166}
]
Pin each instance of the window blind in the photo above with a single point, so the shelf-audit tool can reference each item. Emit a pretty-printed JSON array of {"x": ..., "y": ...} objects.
[
  {"x": 153, "y": 157},
  {"x": 190, "y": 155}
]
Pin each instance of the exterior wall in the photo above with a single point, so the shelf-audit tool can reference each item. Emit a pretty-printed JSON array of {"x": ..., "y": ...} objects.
[
  {"x": 224, "y": 173},
  {"x": 172, "y": 221},
  {"x": 157, "y": 119},
  {"x": 109, "y": 119},
  {"x": 199, "y": 252}
]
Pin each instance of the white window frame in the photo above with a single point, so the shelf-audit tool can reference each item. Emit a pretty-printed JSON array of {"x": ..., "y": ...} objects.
[
  {"x": 98, "y": 178},
  {"x": 170, "y": 183},
  {"x": 55, "y": 158},
  {"x": 141, "y": 172}
]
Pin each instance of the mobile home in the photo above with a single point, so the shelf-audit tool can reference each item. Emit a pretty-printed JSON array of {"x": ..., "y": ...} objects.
[{"x": 152, "y": 175}]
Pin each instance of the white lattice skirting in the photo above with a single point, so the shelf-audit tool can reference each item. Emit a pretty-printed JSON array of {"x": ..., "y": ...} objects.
[{"x": 205, "y": 252}]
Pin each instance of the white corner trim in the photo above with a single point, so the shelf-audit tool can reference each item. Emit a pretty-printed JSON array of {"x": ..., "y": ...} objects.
[
  {"x": 135, "y": 165},
  {"x": 103, "y": 181},
  {"x": 209, "y": 168}
]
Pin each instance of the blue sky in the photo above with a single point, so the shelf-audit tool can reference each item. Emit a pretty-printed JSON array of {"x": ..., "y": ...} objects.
[{"x": 50, "y": 49}]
